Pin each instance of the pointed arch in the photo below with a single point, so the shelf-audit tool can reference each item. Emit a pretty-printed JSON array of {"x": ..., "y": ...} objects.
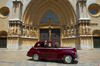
[{"x": 62, "y": 8}]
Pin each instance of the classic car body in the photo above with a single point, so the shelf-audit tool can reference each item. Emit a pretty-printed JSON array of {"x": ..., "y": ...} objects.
[{"x": 50, "y": 50}]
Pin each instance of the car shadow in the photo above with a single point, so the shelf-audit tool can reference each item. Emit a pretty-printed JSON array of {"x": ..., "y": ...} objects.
[{"x": 53, "y": 61}]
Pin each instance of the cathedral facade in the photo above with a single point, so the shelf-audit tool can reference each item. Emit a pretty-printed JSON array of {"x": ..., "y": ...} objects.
[{"x": 72, "y": 23}]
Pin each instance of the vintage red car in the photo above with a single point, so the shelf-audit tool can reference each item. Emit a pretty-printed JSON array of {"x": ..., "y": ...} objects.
[{"x": 51, "y": 50}]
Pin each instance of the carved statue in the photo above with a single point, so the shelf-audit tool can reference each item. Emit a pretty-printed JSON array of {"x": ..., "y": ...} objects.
[
  {"x": 72, "y": 32},
  {"x": 80, "y": 29},
  {"x": 19, "y": 31},
  {"x": 35, "y": 33},
  {"x": 86, "y": 28},
  {"x": 83, "y": 29},
  {"x": 27, "y": 32},
  {"x": 31, "y": 33},
  {"x": 68, "y": 31},
  {"x": 49, "y": 33},
  {"x": 10, "y": 31},
  {"x": 16, "y": 31},
  {"x": 64, "y": 33},
  {"x": 89, "y": 30},
  {"x": 23, "y": 31}
]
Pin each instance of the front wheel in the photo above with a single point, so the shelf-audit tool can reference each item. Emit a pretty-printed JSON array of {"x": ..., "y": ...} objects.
[
  {"x": 67, "y": 59},
  {"x": 35, "y": 57}
]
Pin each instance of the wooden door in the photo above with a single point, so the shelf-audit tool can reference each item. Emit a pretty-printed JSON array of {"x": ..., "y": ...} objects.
[
  {"x": 44, "y": 34},
  {"x": 3, "y": 42},
  {"x": 96, "y": 42},
  {"x": 55, "y": 35}
]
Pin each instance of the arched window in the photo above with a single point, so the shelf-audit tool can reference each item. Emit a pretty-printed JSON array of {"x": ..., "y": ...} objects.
[{"x": 49, "y": 15}]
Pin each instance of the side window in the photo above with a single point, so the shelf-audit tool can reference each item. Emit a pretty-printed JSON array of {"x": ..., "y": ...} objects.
[
  {"x": 50, "y": 45},
  {"x": 40, "y": 45}
]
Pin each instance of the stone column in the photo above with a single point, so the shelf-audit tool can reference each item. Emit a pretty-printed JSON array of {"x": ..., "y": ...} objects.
[
  {"x": 74, "y": 31},
  {"x": 29, "y": 31},
  {"x": 68, "y": 31},
  {"x": 25, "y": 30},
  {"x": 33, "y": 32}
]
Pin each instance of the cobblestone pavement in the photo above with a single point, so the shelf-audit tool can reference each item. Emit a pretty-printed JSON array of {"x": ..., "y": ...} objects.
[{"x": 19, "y": 58}]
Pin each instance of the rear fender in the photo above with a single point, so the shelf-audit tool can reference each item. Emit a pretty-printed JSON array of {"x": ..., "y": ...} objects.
[{"x": 69, "y": 52}]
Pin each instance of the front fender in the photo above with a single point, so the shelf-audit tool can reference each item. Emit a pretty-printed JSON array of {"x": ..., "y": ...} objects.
[
  {"x": 31, "y": 52},
  {"x": 62, "y": 53}
]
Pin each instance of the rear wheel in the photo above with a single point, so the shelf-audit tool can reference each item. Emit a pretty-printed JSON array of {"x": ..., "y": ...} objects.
[
  {"x": 67, "y": 59},
  {"x": 35, "y": 57}
]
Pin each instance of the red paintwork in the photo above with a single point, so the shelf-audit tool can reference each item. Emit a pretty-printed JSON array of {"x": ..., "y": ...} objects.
[{"x": 51, "y": 52}]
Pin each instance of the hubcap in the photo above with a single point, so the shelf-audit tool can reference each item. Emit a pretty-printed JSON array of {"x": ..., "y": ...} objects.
[
  {"x": 68, "y": 59},
  {"x": 36, "y": 57}
]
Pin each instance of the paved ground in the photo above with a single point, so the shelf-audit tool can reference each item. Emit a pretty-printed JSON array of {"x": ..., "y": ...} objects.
[{"x": 19, "y": 58}]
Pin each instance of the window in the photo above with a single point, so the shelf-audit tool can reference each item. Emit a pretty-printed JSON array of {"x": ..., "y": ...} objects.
[
  {"x": 94, "y": 9},
  {"x": 50, "y": 15},
  {"x": 4, "y": 12},
  {"x": 40, "y": 45},
  {"x": 50, "y": 45}
]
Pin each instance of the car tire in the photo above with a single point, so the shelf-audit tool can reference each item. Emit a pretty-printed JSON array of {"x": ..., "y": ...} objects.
[
  {"x": 35, "y": 57},
  {"x": 67, "y": 59}
]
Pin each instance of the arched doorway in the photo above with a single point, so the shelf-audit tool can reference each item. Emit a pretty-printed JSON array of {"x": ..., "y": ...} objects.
[
  {"x": 51, "y": 19},
  {"x": 3, "y": 39},
  {"x": 96, "y": 38}
]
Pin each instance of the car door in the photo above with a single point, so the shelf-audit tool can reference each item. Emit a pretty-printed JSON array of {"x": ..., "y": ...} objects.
[
  {"x": 51, "y": 51},
  {"x": 41, "y": 48}
]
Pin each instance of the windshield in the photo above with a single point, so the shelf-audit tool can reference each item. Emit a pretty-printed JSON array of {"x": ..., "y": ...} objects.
[{"x": 58, "y": 45}]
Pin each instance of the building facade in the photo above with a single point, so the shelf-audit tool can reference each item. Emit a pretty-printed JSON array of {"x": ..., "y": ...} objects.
[{"x": 73, "y": 23}]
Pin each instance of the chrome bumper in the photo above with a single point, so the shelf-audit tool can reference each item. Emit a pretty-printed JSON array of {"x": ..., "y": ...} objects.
[{"x": 77, "y": 57}]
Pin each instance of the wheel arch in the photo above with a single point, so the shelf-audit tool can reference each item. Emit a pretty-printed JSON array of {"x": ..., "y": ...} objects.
[{"x": 61, "y": 54}]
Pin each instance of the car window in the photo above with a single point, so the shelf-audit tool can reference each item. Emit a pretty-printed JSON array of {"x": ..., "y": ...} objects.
[
  {"x": 50, "y": 45},
  {"x": 40, "y": 45}
]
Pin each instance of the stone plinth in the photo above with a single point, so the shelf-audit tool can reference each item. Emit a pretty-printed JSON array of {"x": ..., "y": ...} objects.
[
  {"x": 13, "y": 43},
  {"x": 68, "y": 42},
  {"x": 17, "y": 42},
  {"x": 86, "y": 43}
]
